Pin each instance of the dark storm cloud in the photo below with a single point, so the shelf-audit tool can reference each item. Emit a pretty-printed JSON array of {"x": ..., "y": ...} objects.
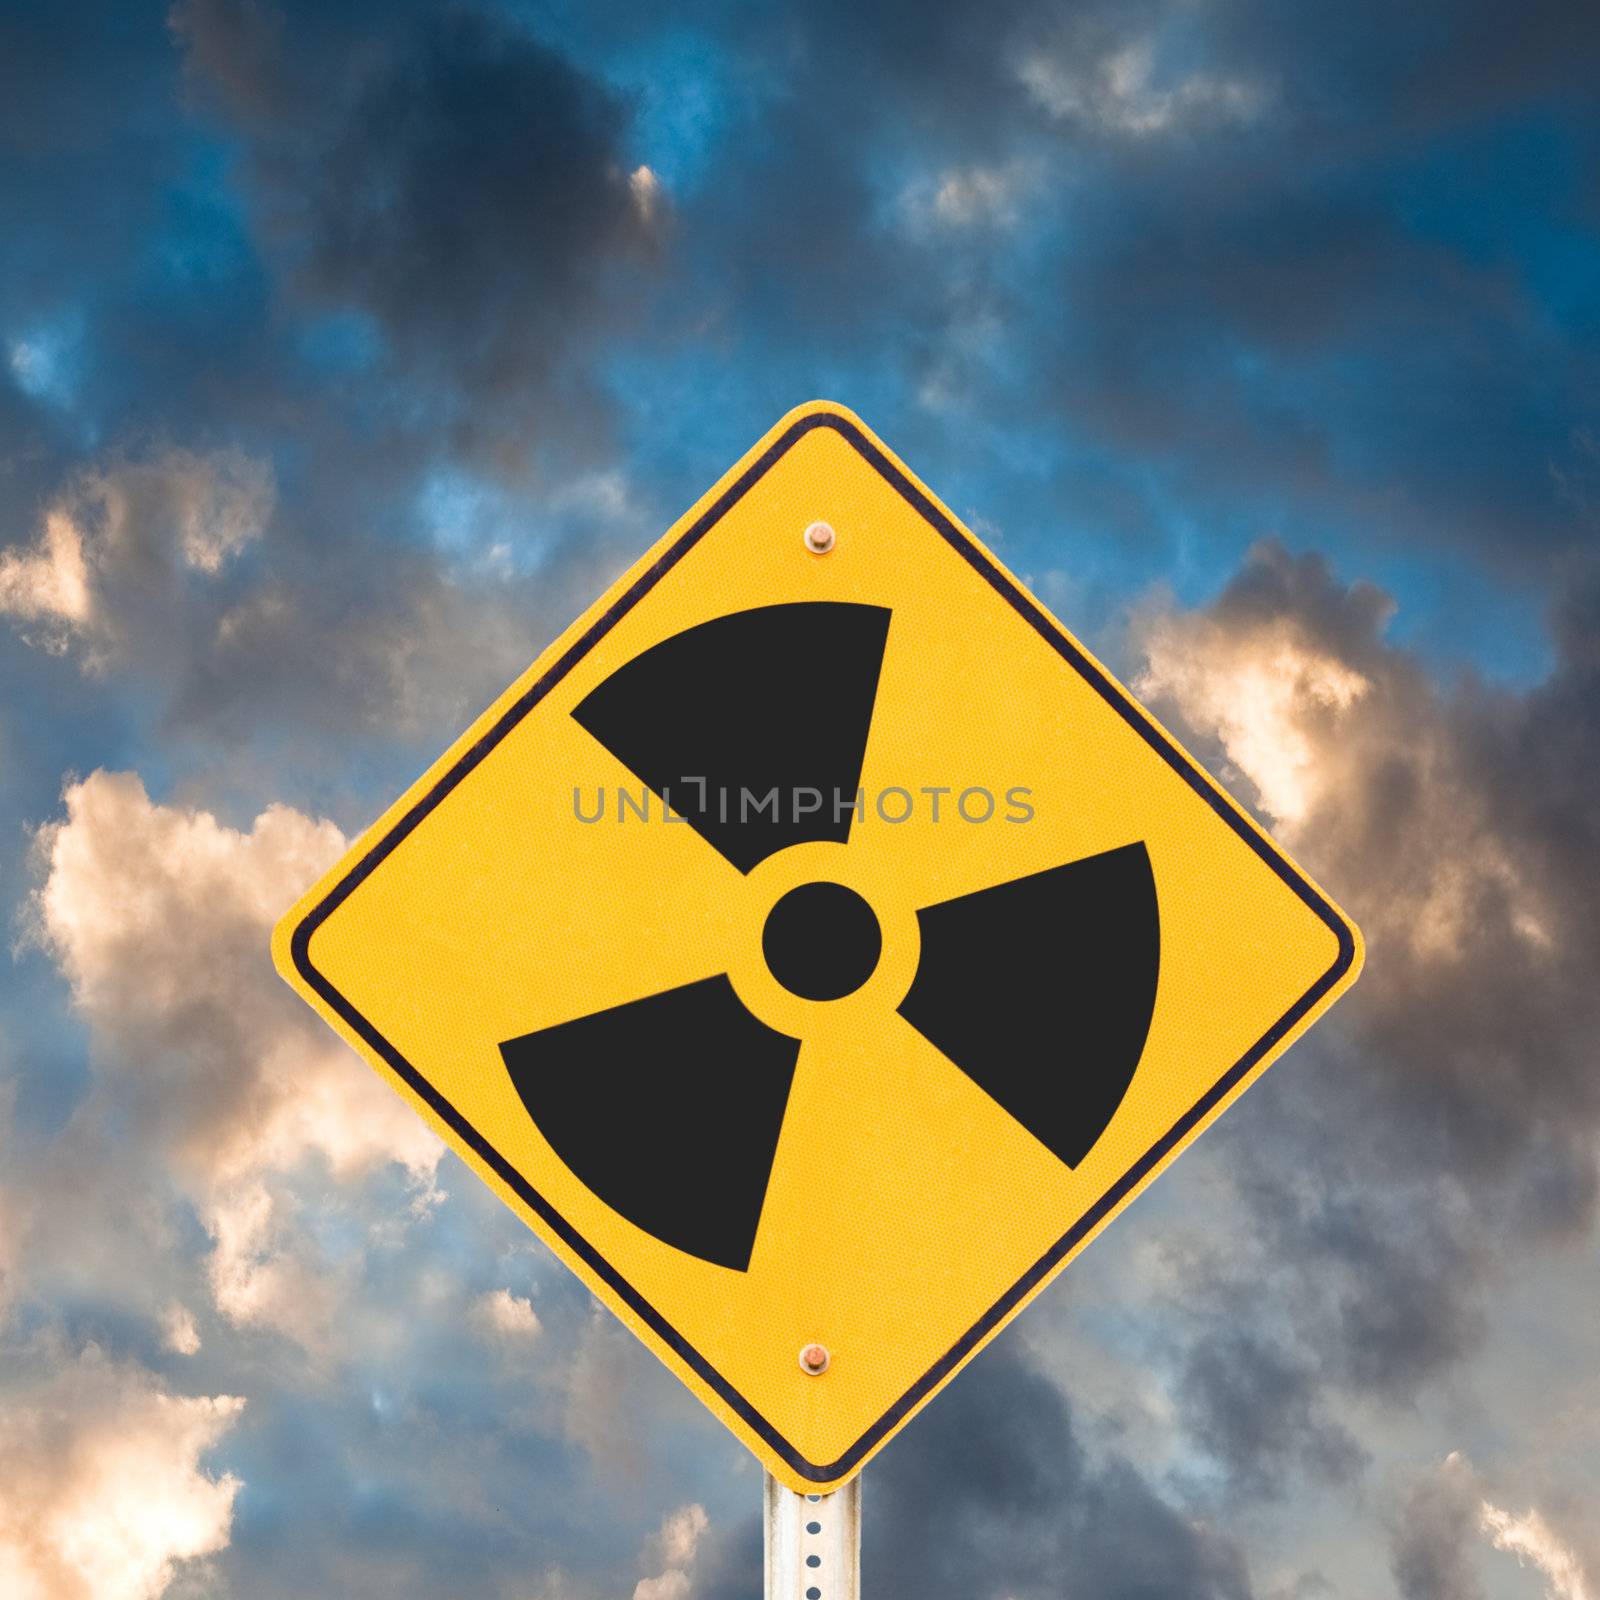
[
  {"x": 1307, "y": 343},
  {"x": 1450, "y": 1125},
  {"x": 990, "y": 1494},
  {"x": 1360, "y": 1280},
  {"x": 1432, "y": 65},
  {"x": 1462, "y": 823},
  {"x": 86, "y": 135},
  {"x": 76, "y": 109},
  {"x": 1286, "y": 262},
  {"x": 396, "y": 269},
  {"x": 457, "y": 181},
  {"x": 1331, "y": 301},
  {"x": 1256, "y": 1406},
  {"x": 729, "y": 1567},
  {"x": 1320, "y": 271},
  {"x": 424, "y": 243},
  {"x": 1432, "y": 1530}
]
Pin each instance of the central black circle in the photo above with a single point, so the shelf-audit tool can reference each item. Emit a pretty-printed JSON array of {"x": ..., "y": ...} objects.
[{"x": 822, "y": 941}]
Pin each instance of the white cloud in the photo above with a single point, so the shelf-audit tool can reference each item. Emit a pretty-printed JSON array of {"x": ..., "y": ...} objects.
[
  {"x": 669, "y": 1585},
  {"x": 970, "y": 197},
  {"x": 103, "y": 1496},
  {"x": 220, "y": 503},
  {"x": 262, "y": 1269},
  {"x": 178, "y": 1331},
  {"x": 674, "y": 1548},
  {"x": 116, "y": 543},
  {"x": 506, "y": 1316},
  {"x": 1269, "y": 696},
  {"x": 1121, "y": 90},
  {"x": 50, "y": 581},
  {"x": 1317, "y": 723},
  {"x": 681, "y": 1533},
  {"x": 125, "y": 571},
  {"x": 1530, "y": 1538},
  {"x": 159, "y": 916}
]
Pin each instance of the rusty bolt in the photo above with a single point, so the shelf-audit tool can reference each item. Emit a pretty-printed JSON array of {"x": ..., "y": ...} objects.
[{"x": 814, "y": 1359}]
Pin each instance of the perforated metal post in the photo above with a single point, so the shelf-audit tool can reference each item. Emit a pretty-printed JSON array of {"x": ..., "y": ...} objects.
[{"x": 813, "y": 1543}]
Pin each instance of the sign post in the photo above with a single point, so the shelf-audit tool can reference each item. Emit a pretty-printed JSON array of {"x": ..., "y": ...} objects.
[
  {"x": 812, "y": 1542},
  {"x": 817, "y": 947}
]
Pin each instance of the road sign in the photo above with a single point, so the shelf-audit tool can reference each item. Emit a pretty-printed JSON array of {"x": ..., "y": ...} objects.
[{"x": 816, "y": 947}]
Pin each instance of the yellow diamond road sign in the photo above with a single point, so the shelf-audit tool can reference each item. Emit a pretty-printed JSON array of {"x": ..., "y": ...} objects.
[{"x": 816, "y": 947}]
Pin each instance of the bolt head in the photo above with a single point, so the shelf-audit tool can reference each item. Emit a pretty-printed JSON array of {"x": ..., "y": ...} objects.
[
  {"x": 819, "y": 538},
  {"x": 814, "y": 1359}
]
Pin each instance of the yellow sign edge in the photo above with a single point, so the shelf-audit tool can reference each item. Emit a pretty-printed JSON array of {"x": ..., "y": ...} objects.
[{"x": 291, "y": 938}]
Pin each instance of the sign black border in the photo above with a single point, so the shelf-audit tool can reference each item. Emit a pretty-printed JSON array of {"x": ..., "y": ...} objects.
[{"x": 1129, "y": 711}]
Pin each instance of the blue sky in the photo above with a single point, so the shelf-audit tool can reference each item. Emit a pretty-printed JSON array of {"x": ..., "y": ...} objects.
[{"x": 347, "y": 351}]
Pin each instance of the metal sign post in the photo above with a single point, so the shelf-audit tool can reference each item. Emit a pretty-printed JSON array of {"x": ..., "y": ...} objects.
[{"x": 813, "y": 1543}]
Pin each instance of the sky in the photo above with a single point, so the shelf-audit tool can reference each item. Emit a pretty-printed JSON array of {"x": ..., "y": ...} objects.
[{"x": 347, "y": 351}]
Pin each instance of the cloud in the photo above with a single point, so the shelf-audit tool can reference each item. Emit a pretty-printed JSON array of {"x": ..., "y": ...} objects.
[
  {"x": 51, "y": 581},
  {"x": 10, "y": 1223},
  {"x": 681, "y": 1534},
  {"x": 1266, "y": 700},
  {"x": 298, "y": 651},
  {"x": 1430, "y": 1535},
  {"x": 1416, "y": 802},
  {"x": 632, "y": 1429},
  {"x": 406, "y": 262},
  {"x": 1259, "y": 333},
  {"x": 159, "y": 916},
  {"x": 507, "y": 1318},
  {"x": 104, "y": 1496},
  {"x": 282, "y": 629},
  {"x": 1120, "y": 89},
  {"x": 1254, "y": 1403},
  {"x": 178, "y": 1331},
  {"x": 675, "y": 1548},
  {"x": 1435, "y": 1556},
  {"x": 669, "y": 1585},
  {"x": 991, "y": 1492},
  {"x": 1451, "y": 821},
  {"x": 970, "y": 197},
  {"x": 1530, "y": 1538},
  {"x": 112, "y": 556},
  {"x": 461, "y": 183}
]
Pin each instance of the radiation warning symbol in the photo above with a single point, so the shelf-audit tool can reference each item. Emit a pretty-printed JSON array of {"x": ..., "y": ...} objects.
[{"x": 816, "y": 947}]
